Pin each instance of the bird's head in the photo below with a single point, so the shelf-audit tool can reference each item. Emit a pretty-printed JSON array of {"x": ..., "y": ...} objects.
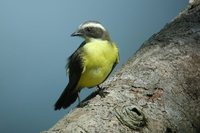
[{"x": 92, "y": 29}]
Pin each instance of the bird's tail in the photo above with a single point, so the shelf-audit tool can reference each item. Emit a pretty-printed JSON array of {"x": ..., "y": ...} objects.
[{"x": 68, "y": 96}]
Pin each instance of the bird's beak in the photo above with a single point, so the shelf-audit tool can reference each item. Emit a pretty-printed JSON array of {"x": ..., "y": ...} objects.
[{"x": 77, "y": 33}]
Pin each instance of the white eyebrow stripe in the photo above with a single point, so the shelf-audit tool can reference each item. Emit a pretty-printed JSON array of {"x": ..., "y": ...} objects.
[{"x": 93, "y": 25}]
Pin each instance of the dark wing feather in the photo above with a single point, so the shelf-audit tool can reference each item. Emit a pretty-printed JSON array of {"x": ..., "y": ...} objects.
[
  {"x": 70, "y": 93},
  {"x": 74, "y": 65}
]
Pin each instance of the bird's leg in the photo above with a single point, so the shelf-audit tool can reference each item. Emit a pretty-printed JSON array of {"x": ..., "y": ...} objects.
[
  {"x": 81, "y": 103},
  {"x": 101, "y": 91},
  {"x": 79, "y": 99}
]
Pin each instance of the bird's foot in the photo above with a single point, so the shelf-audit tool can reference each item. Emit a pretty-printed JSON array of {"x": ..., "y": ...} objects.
[
  {"x": 101, "y": 91},
  {"x": 82, "y": 104}
]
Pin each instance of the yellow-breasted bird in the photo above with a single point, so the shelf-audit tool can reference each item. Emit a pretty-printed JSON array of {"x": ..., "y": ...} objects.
[{"x": 91, "y": 63}]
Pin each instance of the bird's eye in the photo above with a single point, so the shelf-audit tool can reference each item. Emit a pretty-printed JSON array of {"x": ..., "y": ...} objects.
[{"x": 88, "y": 29}]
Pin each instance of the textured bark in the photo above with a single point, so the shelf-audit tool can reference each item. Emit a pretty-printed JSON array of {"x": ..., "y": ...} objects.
[{"x": 158, "y": 90}]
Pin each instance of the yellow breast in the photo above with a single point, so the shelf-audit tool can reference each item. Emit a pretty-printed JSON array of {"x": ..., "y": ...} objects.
[{"x": 98, "y": 59}]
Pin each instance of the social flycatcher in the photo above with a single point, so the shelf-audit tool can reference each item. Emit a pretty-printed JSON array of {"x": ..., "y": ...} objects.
[{"x": 91, "y": 63}]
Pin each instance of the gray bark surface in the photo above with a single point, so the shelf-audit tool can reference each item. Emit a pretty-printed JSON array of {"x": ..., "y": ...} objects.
[{"x": 157, "y": 91}]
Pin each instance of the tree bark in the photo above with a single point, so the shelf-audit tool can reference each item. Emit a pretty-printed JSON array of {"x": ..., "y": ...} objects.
[{"x": 157, "y": 91}]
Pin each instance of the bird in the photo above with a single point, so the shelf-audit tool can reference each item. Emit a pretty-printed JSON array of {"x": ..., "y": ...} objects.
[{"x": 90, "y": 64}]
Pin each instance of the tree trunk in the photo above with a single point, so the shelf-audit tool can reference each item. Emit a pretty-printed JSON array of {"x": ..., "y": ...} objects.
[{"x": 158, "y": 90}]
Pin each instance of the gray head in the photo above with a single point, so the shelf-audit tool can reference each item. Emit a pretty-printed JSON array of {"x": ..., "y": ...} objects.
[{"x": 92, "y": 29}]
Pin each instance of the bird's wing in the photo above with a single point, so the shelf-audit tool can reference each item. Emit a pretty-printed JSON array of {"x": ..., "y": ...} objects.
[{"x": 75, "y": 66}]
